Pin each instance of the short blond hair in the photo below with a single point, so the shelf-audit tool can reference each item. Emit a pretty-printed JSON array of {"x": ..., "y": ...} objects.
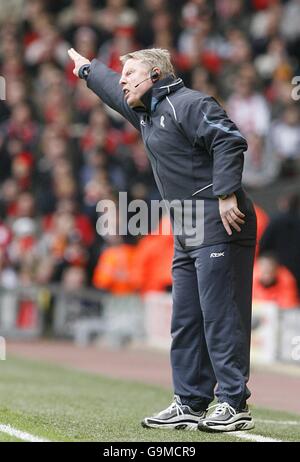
[{"x": 153, "y": 57}]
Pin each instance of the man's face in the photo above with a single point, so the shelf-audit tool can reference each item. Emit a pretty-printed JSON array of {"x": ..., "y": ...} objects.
[{"x": 134, "y": 72}]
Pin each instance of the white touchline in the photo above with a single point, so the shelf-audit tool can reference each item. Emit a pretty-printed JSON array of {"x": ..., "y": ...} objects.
[
  {"x": 257, "y": 438},
  {"x": 21, "y": 435},
  {"x": 278, "y": 422}
]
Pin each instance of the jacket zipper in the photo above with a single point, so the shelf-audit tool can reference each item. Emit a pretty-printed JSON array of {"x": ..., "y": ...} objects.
[{"x": 154, "y": 157}]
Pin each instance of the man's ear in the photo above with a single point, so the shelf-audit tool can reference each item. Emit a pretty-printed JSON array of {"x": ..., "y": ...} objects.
[{"x": 155, "y": 74}]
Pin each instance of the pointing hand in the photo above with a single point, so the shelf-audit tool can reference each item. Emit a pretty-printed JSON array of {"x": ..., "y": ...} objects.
[{"x": 78, "y": 60}]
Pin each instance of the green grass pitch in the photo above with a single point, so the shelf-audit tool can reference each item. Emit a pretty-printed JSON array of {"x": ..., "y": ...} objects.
[{"x": 60, "y": 404}]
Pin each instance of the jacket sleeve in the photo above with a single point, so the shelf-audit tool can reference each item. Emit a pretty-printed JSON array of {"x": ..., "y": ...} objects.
[
  {"x": 210, "y": 127},
  {"x": 105, "y": 83}
]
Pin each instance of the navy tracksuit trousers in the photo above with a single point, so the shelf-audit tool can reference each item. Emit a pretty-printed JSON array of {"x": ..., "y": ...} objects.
[{"x": 211, "y": 323}]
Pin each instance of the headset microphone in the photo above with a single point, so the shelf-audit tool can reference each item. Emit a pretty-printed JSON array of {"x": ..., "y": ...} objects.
[
  {"x": 154, "y": 75},
  {"x": 142, "y": 82}
]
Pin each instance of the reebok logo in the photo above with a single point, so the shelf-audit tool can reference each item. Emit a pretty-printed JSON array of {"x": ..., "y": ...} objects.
[{"x": 217, "y": 254}]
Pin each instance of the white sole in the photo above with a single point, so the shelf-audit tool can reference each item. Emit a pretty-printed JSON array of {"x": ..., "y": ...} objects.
[
  {"x": 240, "y": 425},
  {"x": 189, "y": 426}
]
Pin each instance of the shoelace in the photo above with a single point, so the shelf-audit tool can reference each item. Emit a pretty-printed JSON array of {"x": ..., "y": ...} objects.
[
  {"x": 221, "y": 408},
  {"x": 175, "y": 406}
]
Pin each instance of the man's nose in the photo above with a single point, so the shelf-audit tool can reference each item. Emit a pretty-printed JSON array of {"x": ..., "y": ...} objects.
[{"x": 122, "y": 80}]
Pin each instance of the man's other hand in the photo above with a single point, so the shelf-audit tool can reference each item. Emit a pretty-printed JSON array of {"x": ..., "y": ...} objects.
[
  {"x": 230, "y": 214},
  {"x": 78, "y": 60}
]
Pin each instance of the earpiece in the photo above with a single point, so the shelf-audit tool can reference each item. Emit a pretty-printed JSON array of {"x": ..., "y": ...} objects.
[{"x": 154, "y": 75}]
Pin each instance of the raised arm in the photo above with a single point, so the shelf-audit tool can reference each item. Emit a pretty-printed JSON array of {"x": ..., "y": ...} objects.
[{"x": 105, "y": 83}]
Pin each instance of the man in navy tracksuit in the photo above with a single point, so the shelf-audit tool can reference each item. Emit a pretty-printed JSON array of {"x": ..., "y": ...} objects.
[{"x": 196, "y": 153}]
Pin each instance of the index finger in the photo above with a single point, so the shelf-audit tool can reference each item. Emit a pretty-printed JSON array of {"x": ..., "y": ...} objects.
[
  {"x": 73, "y": 53},
  {"x": 226, "y": 225}
]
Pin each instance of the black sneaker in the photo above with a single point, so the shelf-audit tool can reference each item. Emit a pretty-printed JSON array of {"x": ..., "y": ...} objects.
[
  {"x": 177, "y": 416},
  {"x": 225, "y": 418}
]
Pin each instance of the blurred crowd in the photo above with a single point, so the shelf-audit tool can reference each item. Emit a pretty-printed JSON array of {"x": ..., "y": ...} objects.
[{"x": 62, "y": 150}]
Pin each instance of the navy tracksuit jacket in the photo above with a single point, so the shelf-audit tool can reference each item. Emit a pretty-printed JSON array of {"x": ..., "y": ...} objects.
[{"x": 196, "y": 153}]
